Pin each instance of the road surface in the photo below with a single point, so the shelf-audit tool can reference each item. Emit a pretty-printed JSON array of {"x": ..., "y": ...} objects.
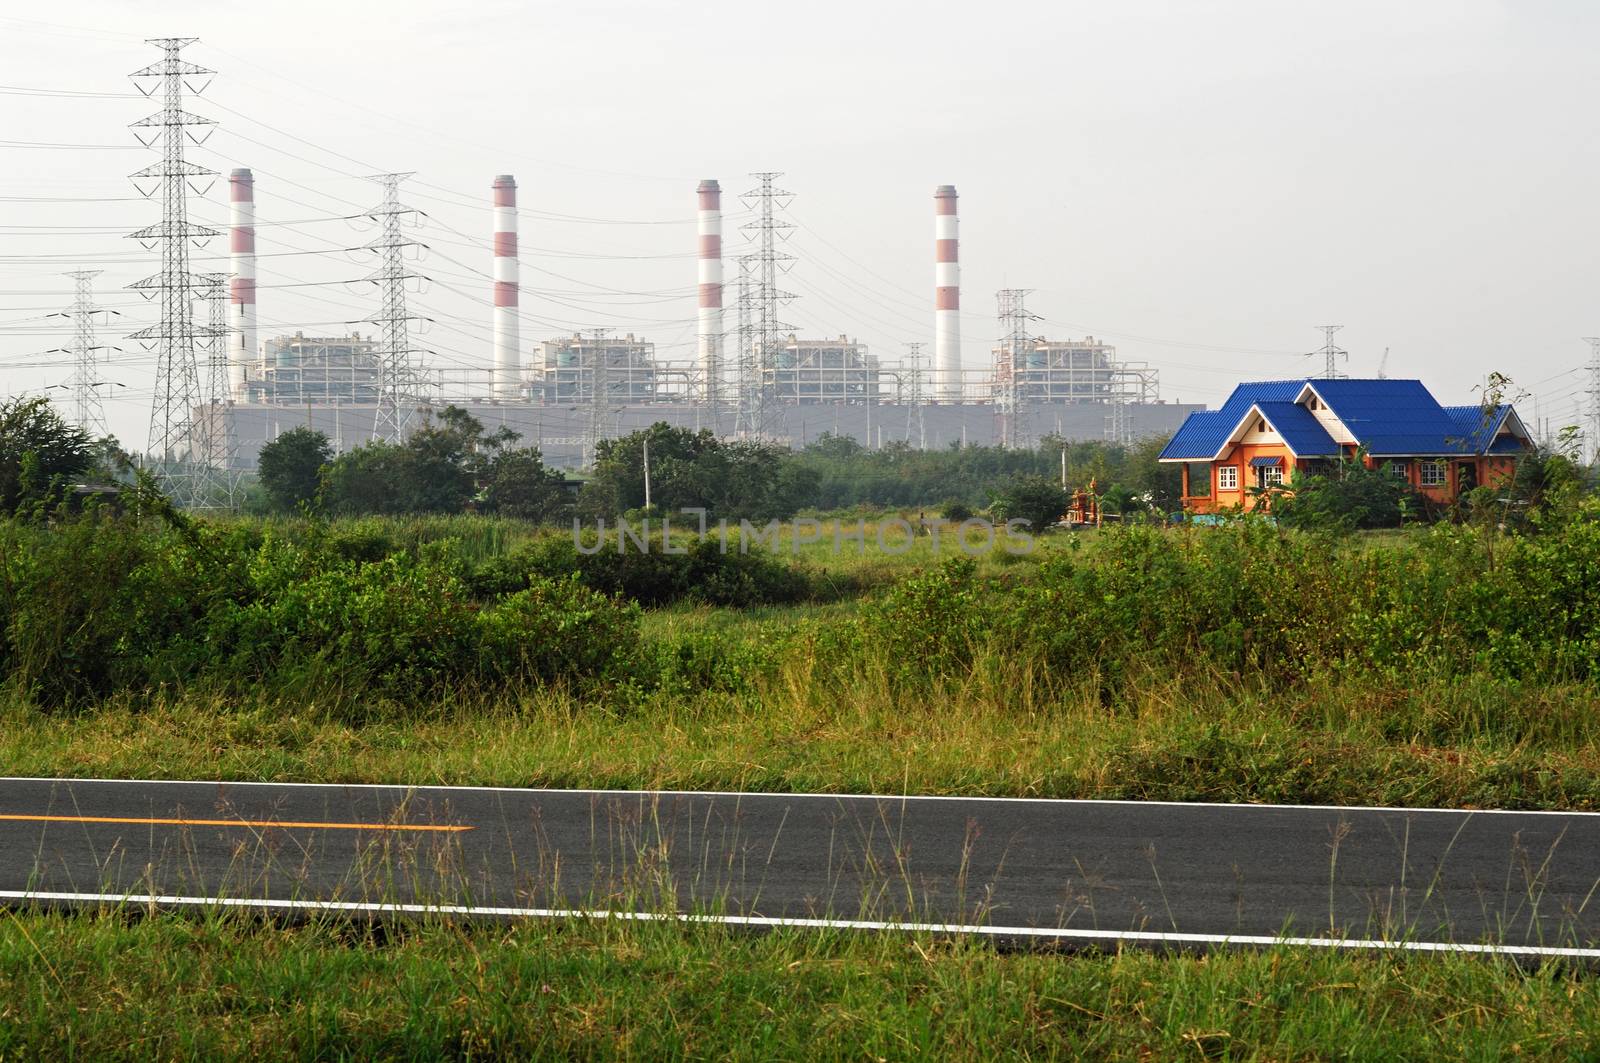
[{"x": 1084, "y": 871}]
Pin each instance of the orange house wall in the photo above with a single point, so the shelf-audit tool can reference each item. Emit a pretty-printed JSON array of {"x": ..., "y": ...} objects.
[{"x": 1494, "y": 471}]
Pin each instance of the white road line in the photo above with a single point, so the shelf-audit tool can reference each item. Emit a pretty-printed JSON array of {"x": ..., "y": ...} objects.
[
  {"x": 762, "y": 921},
  {"x": 406, "y": 788}
]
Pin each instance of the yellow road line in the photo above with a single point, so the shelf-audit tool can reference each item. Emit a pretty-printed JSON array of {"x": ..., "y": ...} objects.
[{"x": 26, "y": 818}]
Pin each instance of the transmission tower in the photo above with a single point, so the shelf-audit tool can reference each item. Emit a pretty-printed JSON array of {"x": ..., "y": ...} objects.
[
  {"x": 1331, "y": 353},
  {"x": 1593, "y": 391},
  {"x": 599, "y": 396},
  {"x": 748, "y": 416},
  {"x": 767, "y": 231},
  {"x": 399, "y": 381},
  {"x": 915, "y": 399},
  {"x": 1010, "y": 395},
  {"x": 87, "y": 411},
  {"x": 213, "y": 430},
  {"x": 189, "y": 477}
]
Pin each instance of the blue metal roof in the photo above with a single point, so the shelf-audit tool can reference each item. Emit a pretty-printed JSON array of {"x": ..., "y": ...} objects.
[
  {"x": 1392, "y": 416},
  {"x": 1299, "y": 428},
  {"x": 1265, "y": 463},
  {"x": 1477, "y": 426},
  {"x": 1204, "y": 433}
]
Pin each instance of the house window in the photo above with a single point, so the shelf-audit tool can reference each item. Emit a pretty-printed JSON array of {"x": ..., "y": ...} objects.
[
  {"x": 1397, "y": 469},
  {"x": 1433, "y": 473},
  {"x": 1272, "y": 476},
  {"x": 1228, "y": 478}
]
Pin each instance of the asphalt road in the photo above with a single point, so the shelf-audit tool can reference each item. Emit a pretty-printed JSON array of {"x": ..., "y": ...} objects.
[{"x": 1099, "y": 870}]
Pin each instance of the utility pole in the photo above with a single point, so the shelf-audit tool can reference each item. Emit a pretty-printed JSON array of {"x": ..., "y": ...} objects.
[
  {"x": 647, "y": 472},
  {"x": 1010, "y": 392},
  {"x": 769, "y": 262},
  {"x": 915, "y": 398},
  {"x": 87, "y": 411},
  {"x": 1331, "y": 353},
  {"x": 1594, "y": 397},
  {"x": 399, "y": 386},
  {"x": 188, "y": 476}
]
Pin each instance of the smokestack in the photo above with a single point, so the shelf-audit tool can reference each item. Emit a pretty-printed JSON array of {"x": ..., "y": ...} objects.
[
  {"x": 946, "y": 296},
  {"x": 711, "y": 288},
  {"x": 242, "y": 289},
  {"x": 507, "y": 356}
]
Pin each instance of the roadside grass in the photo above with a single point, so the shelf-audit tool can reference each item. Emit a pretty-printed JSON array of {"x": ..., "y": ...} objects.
[
  {"x": 1465, "y": 745},
  {"x": 117, "y": 985}
]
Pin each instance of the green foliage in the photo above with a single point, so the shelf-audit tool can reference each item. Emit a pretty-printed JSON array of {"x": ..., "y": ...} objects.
[
  {"x": 699, "y": 571},
  {"x": 449, "y": 465},
  {"x": 520, "y": 485},
  {"x": 39, "y": 452},
  {"x": 105, "y": 605},
  {"x": 928, "y": 627},
  {"x": 1348, "y": 496},
  {"x": 955, "y": 510},
  {"x": 290, "y": 468},
  {"x": 696, "y": 470},
  {"x": 1038, "y": 500}
]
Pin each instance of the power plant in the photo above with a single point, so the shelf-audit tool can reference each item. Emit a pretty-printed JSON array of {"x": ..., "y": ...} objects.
[
  {"x": 756, "y": 378},
  {"x": 762, "y": 380}
]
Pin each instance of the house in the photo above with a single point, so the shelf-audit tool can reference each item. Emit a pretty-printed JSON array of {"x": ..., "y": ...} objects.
[{"x": 1268, "y": 429}]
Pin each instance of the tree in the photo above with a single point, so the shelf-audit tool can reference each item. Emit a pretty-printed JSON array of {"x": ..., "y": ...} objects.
[
  {"x": 39, "y": 452},
  {"x": 374, "y": 478},
  {"x": 740, "y": 479},
  {"x": 1038, "y": 500},
  {"x": 1348, "y": 496},
  {"x": 291, "y": 468},
  {"x": 521, "y": 485},
  {"x": 446, "y": 466}
]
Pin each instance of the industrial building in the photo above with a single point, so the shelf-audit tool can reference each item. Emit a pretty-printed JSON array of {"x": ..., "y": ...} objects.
[
  {"x": 750, "y": 381},
  {"x": 1070, "y": 371},
  {"x": 570, "y": 370},
  {"x": 806, "y": 372},
  {"x": 319, "y": 370}
]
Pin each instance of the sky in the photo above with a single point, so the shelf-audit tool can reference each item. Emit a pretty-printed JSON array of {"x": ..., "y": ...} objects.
[{"x": 1200, "y": 184}]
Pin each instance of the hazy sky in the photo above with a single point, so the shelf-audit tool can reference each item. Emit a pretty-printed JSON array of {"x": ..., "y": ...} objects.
[{"x": 1200, "y": 183}]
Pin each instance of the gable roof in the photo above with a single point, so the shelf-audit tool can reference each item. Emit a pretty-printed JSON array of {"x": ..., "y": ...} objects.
[
  {"x": 1390, "y": 418},
  {"x": 1204, "y": 433},
  {"x": 1301, "y": 431}
]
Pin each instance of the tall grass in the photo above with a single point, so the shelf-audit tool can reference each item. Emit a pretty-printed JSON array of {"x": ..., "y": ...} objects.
[{"x": 226, "y": 986}]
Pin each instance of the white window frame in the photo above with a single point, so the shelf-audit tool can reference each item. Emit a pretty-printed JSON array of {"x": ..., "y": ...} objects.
[
  {"x": 1434, "y": 473},
  {"x": 1227, "y": 477},
  {"x": 1272, "y": 475}
]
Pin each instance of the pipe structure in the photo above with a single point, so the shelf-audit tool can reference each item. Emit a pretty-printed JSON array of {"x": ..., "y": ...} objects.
[
  {"x": 946, "y": 296},
  {"x": 242, "y": 288},
  {"x": 507, "y": 338},
  {"x": 710, "y": 229}
]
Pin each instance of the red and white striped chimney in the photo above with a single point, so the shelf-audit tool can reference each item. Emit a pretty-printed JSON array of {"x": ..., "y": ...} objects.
[
  {"x": 711, "y": 289},
  {"x": 242, "y": 289},
  {"x": 946, "y": 296},
  {"x": 507, "y": 341}
]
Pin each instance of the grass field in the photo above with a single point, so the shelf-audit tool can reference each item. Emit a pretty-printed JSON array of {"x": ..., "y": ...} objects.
[
  {"x": 115, "y": 986},
  {"x": 871, "y": 685}
]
